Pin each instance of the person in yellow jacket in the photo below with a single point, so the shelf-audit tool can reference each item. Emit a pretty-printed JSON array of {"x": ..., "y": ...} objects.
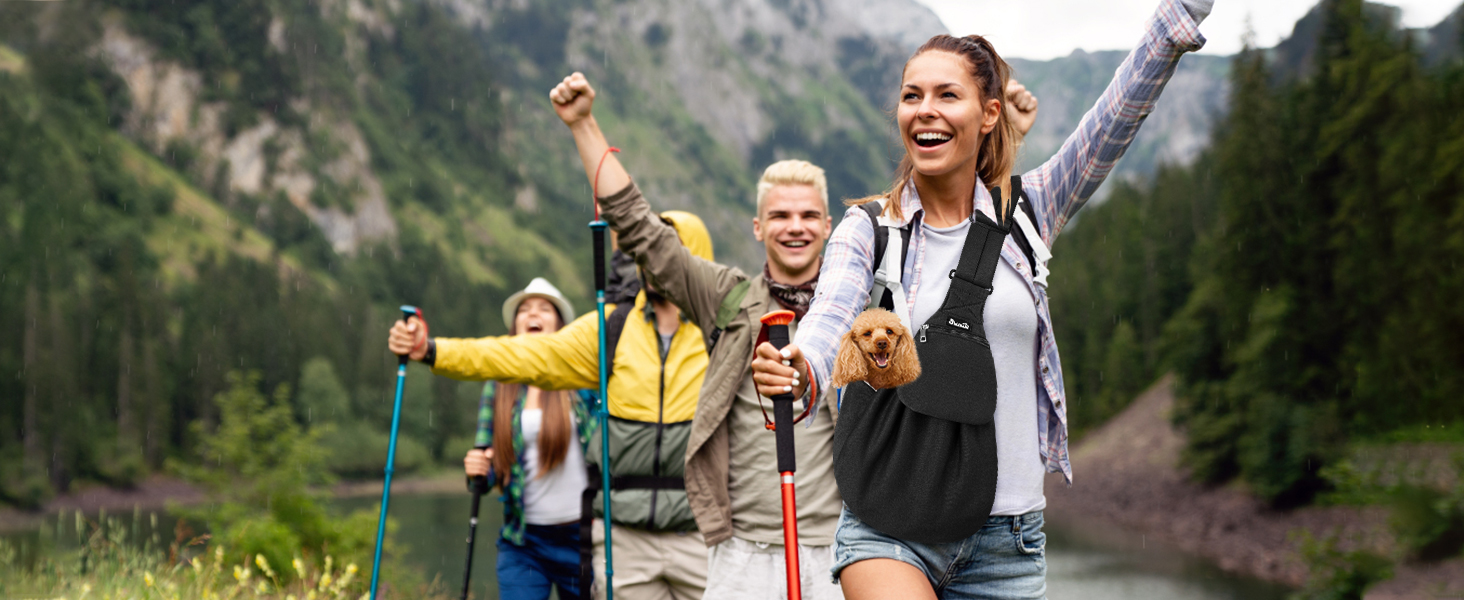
[{"x": 657, "y": 369}]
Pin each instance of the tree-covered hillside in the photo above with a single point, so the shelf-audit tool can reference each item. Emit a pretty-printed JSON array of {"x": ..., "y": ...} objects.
[
  {"x": 1300, "y": 278},
  {"x": 196, "y": 188}
]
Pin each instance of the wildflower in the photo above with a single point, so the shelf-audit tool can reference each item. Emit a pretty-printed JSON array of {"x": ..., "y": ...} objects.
[
  {"x": 299, "y": 567},
  {"x": 241, "y": 575},
  {"x": 346, "y": 580},
  {"x": 263, "y": 566},
  {"x": 148, "y": 577},
  {"x": 325, "y": 581},
  {"x": 262, "y": 588},
  {"x": 196, "y": 564}
]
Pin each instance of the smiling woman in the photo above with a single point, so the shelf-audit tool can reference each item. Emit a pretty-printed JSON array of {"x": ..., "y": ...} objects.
[
  {"x": 531, "y": 443},
  {"x": 952, "y": 123},
  {"x": 942, "y": 478}
]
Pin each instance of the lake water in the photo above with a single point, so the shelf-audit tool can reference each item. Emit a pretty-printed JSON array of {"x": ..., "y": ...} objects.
[{"x": 1085, "y": 561}]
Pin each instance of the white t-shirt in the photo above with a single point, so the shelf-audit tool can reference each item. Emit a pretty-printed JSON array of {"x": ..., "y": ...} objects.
[
  {"x": 554, "y": 498},
  {"x": 1011, "y": 326}
]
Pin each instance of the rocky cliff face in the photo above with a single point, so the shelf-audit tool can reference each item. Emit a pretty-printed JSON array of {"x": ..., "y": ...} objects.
[
  {"x": 700, "y": 94},
  {"x": 170, "y": 113}
]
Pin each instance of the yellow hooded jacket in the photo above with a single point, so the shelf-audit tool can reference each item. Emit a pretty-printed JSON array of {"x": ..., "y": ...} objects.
[{"x": 651, "y": 402}]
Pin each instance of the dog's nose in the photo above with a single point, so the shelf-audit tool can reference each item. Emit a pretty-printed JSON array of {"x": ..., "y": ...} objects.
[{"x": 882, "y": 344}]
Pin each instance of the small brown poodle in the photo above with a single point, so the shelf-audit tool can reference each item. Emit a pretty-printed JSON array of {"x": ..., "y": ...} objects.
[{"x": 878, "y": 350}]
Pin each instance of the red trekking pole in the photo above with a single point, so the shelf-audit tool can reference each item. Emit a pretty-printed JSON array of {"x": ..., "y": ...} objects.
[{"x": 777, "y": 324}]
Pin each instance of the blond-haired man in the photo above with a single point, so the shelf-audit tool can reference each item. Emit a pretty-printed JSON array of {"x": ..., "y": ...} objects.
[{"x": 731, "y": 458}]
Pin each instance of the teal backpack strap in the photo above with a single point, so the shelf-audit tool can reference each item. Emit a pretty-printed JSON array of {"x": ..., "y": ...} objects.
[{"x": 731, "y": 305}]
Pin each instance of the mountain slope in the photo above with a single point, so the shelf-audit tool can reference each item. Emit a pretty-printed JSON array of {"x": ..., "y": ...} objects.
[
  {"x": 1196, "y": 96},
  {"x": 1175, "y": 133},
  {"x": 257, "y": 184}
]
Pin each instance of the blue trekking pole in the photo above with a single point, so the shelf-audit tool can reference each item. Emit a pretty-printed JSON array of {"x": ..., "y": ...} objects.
[
  {"x": 598, "y": 227},
  {"x": 408, "y": 312}
]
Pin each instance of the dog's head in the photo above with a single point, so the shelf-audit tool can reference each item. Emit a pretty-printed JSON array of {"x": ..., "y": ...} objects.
[{"x": 877, "y": 350}]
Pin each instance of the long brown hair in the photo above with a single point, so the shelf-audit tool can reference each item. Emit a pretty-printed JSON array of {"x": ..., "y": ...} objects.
[
  {"x": 554, "y": 435},
  {"x": 998, "y": 152}
]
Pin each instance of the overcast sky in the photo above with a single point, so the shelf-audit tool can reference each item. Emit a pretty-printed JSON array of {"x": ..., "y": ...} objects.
[{"x": 1042, "y": 29}]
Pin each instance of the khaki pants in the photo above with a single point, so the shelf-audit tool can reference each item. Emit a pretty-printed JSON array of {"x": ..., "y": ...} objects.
[{"x": 652, "y": 566}]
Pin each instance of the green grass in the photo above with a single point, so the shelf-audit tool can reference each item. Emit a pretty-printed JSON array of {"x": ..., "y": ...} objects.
[{"x": 109, "y": 568}]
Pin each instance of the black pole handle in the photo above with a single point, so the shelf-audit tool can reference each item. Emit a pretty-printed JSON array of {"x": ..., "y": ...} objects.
[
  {"x": 408, "y": 312},
  {"x": 777, "y": 324},
  {"x": 478, "y": 484},
  {"x": 598, "y": 231}
]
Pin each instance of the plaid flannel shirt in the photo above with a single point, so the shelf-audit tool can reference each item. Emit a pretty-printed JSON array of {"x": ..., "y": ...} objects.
[
  {"x": 1056, "y": 190},
  {"x": 513, "y": 489}
]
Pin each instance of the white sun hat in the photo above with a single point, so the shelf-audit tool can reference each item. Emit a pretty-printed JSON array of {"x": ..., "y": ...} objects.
[{"x": 538, "y": 288}]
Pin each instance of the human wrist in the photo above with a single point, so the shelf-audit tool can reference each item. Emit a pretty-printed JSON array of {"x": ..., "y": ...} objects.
[
  {"x": 585, "y": 126},
  {"x": 805, "y": 378},
  {"x": 429, "y": 357}
]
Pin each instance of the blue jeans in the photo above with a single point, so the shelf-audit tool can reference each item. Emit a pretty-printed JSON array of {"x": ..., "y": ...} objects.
[
  {"x": 549, "y": 556},
  {"x": 1005, "y": 560}
]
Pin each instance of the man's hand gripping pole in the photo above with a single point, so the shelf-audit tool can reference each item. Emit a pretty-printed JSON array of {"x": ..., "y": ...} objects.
[{"x": 777, "y": 324}]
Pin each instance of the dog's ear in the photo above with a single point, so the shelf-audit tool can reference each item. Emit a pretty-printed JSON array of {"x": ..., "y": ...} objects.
[
  {"x": 851, "y": 363},
  {"x": 904, "y": 361}
]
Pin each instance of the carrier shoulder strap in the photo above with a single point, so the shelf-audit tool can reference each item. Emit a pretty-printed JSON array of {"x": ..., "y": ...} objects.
[{"x": 1028, "y": 238}]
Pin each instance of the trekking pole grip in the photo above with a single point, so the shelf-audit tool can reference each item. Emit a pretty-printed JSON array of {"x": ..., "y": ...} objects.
[
  {"x": 408, "y": 313},
  {"x": 598, "y": 231},
  {"x": 777, "y": 324},
  {"x": 480, "y": 483}
]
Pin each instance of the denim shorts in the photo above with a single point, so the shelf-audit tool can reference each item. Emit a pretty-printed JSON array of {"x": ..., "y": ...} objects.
[{"x": 1005, "y": 560}]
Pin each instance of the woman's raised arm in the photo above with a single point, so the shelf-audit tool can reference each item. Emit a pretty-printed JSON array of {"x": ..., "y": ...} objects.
[{"x": 1061, "y": 186}]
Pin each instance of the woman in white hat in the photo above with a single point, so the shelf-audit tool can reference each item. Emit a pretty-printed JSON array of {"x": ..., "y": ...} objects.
[{"x": 535, "y": 452}]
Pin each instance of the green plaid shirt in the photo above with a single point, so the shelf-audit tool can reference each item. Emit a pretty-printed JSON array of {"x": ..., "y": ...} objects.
[{"x": 513, "y": 491}]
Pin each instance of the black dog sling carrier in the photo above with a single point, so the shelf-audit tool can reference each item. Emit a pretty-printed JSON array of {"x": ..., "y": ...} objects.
[{"x": 918, "y": 462}]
